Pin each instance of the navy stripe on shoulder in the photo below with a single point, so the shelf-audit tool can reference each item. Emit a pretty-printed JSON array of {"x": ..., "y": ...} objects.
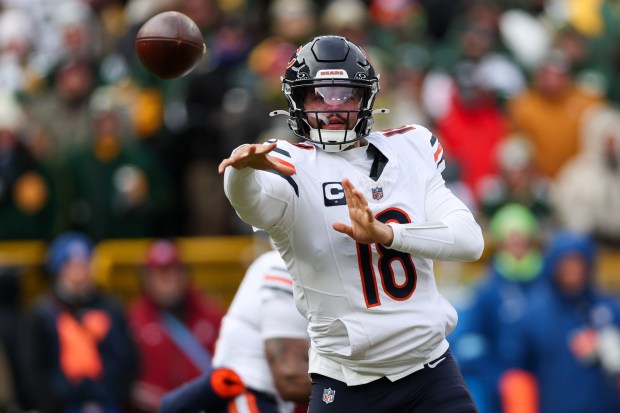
[
  {"x": 440, "y": 161},
  {"x": 281, "y": 269},
  {"x": 288, "y": 179},
  {"x": 433, "y": 140},
  {"x": 281, "y": 290},
  {"x": 282, "y": 152}
]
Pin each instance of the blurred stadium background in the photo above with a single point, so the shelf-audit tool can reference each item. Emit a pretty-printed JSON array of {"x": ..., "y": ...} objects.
[{"x": 104, "y": 147}]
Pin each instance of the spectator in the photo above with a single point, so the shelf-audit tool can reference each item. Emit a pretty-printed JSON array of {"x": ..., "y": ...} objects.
[
  {"x": 586, "y": 189},
  {"x": 405, "y": 89},
  {"x": 27, "y": 193},
  {"x": 16, "y": 45},
  {"x": 174, "y": 326},
  {"x": 78, "y": 30},
  {"x": 264, "y": 341},
  {"x": 499, "y": 300},
  {"x": 60, "y": 29},
  {"x": 549, "y": 113},
  {"x": 114, "y": 187},
  {"x": 474, "y": 41},
  {"x": 568, "y": 336},
  {"x": 516, "y": 181},
  {"x": 473, "y": 126},
  {"x": 77, "y": 350},
  {"x": 64, "y": 103}
]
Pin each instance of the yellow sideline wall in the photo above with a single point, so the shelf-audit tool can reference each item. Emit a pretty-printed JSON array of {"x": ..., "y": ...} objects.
[{"x": 216, "y": 265}]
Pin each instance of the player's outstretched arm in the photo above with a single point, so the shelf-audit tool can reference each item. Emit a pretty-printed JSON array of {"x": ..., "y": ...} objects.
[
  {"x": 255, "y": 156},
  {"x": 364, "y": 227},
  {"x": 451, "y": 234}
]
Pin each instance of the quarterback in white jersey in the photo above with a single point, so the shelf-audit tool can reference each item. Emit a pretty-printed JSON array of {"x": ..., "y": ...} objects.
[{"x": 358, "y": 218}]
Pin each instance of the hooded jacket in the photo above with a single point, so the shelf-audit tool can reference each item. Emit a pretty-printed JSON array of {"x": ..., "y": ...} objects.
[
  {"x": 499, "y": 300},
  {"x": 552, "y": 338},
  {"x": 586, "y": 192}
]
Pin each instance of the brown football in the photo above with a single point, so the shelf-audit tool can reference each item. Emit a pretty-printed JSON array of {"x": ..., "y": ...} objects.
[{"x": 170, "y": 45}]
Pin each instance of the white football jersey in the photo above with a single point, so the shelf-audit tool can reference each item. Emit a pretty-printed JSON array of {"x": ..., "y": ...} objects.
[
  {"x": 247, "y": 324},
  {"x": 372, "y": 311}
]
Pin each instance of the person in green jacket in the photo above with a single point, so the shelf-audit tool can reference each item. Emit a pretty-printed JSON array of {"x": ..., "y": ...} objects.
[
  {"x": 26, "y": 189},
  {"x": 117, "y": 188}
]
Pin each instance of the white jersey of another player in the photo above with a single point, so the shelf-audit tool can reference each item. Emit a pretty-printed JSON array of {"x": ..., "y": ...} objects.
[
  {"x": 263, "y": 308},
  {"x": 372, "y": 311}
]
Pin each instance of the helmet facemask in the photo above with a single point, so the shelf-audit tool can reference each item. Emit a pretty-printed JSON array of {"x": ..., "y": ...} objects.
[{"x": 319, "y": 110}]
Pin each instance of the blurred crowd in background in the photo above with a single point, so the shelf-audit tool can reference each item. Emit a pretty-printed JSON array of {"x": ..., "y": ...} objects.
[{"x": 523, "y": 95}]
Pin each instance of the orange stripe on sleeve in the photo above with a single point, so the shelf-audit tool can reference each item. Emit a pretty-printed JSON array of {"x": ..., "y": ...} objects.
[
  {"x": 286, "y": 281},
  {"x": 437, "y": 152},
  {"x": 290, "y": 165}
]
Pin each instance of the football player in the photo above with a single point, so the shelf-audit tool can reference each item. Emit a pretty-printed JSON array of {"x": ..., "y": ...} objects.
[
  {"x": 358, "y": 217},
  {"x": 261, "y": 356}
]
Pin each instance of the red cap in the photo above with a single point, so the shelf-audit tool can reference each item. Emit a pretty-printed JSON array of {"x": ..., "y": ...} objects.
[{"x": 162, "y": 253}]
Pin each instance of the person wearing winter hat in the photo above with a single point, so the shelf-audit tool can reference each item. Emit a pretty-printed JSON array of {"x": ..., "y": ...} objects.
[
  {"x": 68, "y": 263},
  {"x": 174, "y": 326},
  {"x": 78, "y": 351},
  {"x": 498, "y": 301},
  {"x": 568, "y": 337}
]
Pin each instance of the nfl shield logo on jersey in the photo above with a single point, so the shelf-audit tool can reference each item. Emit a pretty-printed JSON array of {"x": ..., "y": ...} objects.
[
  {"x": 328, "y": 395},
  {"x": 377, "y": 193}
]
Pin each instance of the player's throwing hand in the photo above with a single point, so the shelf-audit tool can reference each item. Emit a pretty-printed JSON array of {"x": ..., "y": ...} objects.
[
  {"x": 255, "y": 156},
  {"x": 364, "y": 227}
]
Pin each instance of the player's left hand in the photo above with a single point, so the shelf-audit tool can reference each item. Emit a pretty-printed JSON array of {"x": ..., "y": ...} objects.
[
  {"x": 255, "y": 156},
  {"x": 364, "y": 227}
]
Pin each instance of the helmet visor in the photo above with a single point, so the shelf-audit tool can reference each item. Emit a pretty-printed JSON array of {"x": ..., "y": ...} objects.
[{"x": 336, "y": 96}]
